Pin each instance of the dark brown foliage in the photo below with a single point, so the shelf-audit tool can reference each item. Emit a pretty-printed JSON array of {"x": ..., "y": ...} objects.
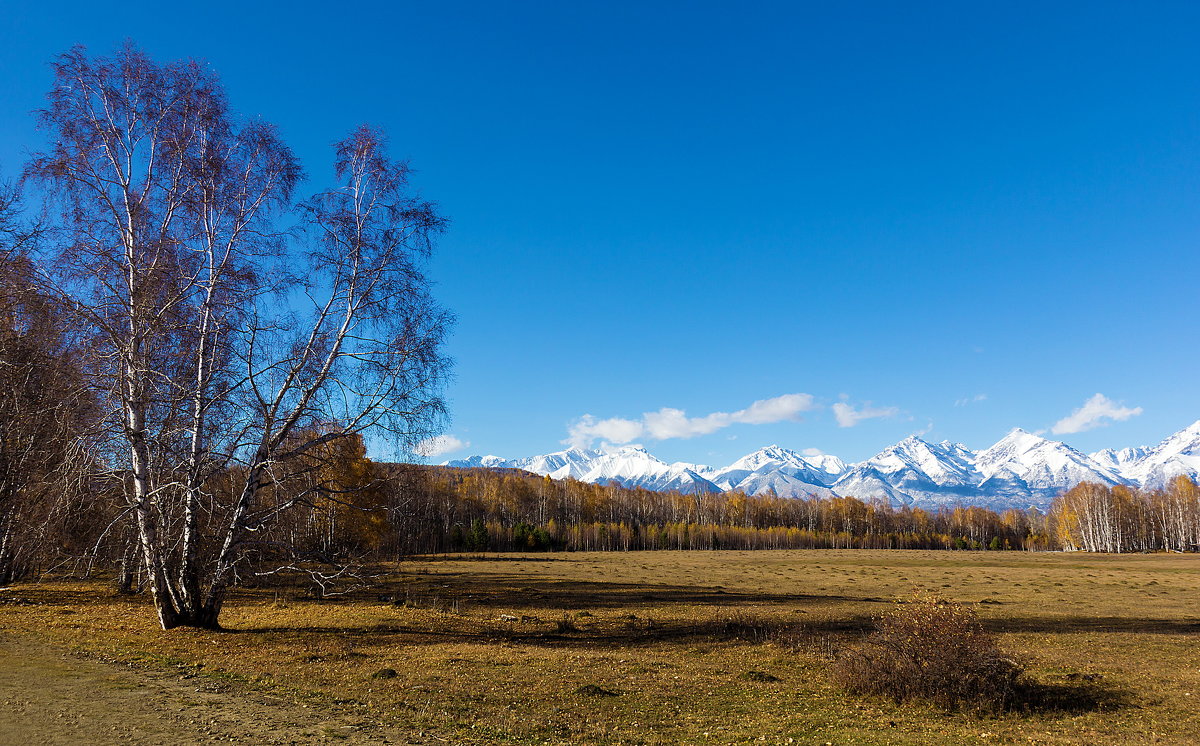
[
  {"x": 933, "y": 651},
  {"x": 45, "y": 409}
]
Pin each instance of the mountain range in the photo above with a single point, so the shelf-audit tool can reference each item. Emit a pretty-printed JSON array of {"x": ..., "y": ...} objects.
[{"x": 1021, "y": 470}]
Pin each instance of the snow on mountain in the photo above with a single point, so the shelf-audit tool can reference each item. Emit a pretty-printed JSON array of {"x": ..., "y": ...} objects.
[
  {"x": 914, "y": 472},
  {"x": 1119, "y": 460},
  {"x": 572, "y": 463},
  {"x": 778, "y": 470},
  {"x": 630, "y": 466},
  {"x": 1044, "y": 467},
  {"x": 1019, "y": 471},
  {"x": 489, "y": 462},
  {"x": 633, "y": 466},
  {"x": 1178, "y": 455}
]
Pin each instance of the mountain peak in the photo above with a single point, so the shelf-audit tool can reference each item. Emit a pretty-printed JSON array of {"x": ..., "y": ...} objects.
[
  {"x": 774, "y": 450},
  {"x": 632, "y": 449},
  {"x": 1044, "y": 466},
  {"x": 1022, "y": 438},
  {"x": 626, "y": 450},
  {"x": 1178, "y": 455},
  {"x": 1192, "y": 429}
]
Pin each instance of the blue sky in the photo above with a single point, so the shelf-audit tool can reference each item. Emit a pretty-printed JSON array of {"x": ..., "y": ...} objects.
[{"x": 962, "y": 217}]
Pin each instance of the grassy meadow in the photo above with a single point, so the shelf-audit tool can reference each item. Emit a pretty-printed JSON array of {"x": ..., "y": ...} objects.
[{"x": 675, "y": 647}]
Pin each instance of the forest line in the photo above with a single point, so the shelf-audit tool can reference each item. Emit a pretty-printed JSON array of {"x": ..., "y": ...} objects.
[{"x": 508, "y": 510}]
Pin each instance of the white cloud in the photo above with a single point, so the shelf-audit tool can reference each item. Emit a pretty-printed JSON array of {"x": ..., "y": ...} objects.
[
  {"x": 812, "y": 452},
  {"x": 669, "y": 423},
  {"x": 1093, "y": 414},
  {"x": 439, "y": 445},
  {"x": 613, "y": 430},
  {"x": 970, "y": 400},
  {"x": 764, "y": 411},
  {"x": 848, "y": 416}
]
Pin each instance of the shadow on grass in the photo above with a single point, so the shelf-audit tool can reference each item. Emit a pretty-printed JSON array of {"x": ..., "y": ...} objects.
[
  {"x": 1073, "y": 698},
  {"x": 1097, "y": 624},
  {"x": 630, "y": 632},
  {"x": 551, "y": 598},
  {"x": 512, "y": 590},
  {"x": 1047, "y": 700}
]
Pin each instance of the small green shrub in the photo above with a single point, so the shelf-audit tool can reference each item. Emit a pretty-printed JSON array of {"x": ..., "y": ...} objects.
[{"x": 934, "y": 651}]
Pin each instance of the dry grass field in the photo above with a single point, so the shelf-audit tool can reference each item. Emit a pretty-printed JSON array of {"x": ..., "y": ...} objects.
[{"x": 670, "y": 647}]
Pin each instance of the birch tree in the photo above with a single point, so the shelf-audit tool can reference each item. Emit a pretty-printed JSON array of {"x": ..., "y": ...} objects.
[{"x": 226, "y": 337}]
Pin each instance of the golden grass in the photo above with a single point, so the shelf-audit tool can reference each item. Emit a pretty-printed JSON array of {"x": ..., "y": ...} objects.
[{"x": 674, "y": 636}]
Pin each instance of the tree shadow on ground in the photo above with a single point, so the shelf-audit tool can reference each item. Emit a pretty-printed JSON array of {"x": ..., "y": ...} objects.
[
  {"x": 1097, "y": 624},
  {"x": 1078, "y": 694},
  {"x": 508, "y": 590}
]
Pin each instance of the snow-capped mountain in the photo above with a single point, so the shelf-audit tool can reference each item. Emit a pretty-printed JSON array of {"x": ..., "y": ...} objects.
[
  {"x": 1178, "y": 455},
  {"x": 778, "y": 470},
  {"x": 629, "y": 466},
  {"x": 575, "y": 463},
  {"x": 1024, "y": 463},
  {"x": 1119, "y": 460},
  {"x": 489, "y": 462},
  {"x": 914, "y": 472},
  {"x": 633, "y": 466},
  {"x": 1019, "y": 471}
]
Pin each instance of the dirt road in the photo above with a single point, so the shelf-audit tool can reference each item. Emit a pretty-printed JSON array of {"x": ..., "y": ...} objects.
[{"x": 49, "y": 696}]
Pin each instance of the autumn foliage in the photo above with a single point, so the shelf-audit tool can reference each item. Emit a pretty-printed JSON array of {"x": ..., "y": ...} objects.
[
  {"x": 1099, "y": 518},
  {"x": 450, "y": 509}
]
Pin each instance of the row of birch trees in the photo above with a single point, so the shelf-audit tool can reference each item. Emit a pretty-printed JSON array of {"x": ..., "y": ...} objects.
[{"x": 1102, "y": 518}]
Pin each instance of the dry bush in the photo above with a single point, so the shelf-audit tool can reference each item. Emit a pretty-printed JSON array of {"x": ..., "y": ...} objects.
[{"x": 934, "y": 651}]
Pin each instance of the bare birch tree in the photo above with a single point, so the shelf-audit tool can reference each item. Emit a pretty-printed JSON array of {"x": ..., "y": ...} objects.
[{"x": 225, "y": 337}]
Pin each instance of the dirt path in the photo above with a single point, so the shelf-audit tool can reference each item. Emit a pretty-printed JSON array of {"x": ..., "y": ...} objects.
[{"x": 48, "y": 696}]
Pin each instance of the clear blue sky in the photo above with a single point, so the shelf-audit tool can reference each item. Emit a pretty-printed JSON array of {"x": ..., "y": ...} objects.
[{"x": 702, "y": 205}]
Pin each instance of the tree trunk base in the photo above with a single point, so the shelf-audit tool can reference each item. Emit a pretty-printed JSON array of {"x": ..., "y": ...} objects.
[{"x": 207, "y": 619}]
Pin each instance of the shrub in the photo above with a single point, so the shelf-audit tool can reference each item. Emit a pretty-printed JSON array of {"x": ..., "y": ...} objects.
[{"x": 935, "y": 651}]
